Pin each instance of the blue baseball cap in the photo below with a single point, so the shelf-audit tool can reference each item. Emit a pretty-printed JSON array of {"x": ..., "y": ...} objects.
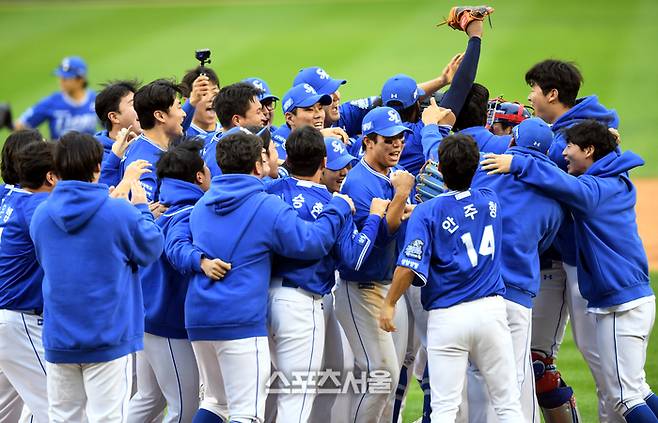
[
  {"x": 303, "y": 95},
  {"x": 320, "y": 80},
  {"x": 401, "y": 89},
  {"x": 533, "y": 133},
  {"x": 337, "y": 155},
  {"x": 265, "y": 93},
  {"x": 384, "y": 121},
  {"x": 72, "y": 67}
]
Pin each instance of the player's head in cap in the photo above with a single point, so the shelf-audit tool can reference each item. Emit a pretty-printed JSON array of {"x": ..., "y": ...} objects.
[
  {"x": 183, "y": 162},
  {"x": 72, "y": 73},
  {"x": 239, "y": 105},
  {"x": 554, "y": 87},
  {"x": 459, "y": 158},
  {"x": 267, "y": 99},
  {"x": 532, "y": 133},
  {"x": 205, "y": 116},
  {"x": 307, "y": 155},
  {"x": 159, "y": 109},
  {"x": 115, "y": 109},
  {"x": 383, "y": 140},
  {"x": 339, "y": 162},
  {"x": 320, "y": 80},
  {"x": 587, "y": 142},
  {"x": 403, "y": 94},
  {"x": 506, "y": 115},
  {"x": 475, "y": 110},
  {"x": 270, "y": 150},
  {"x": 303, "y": 106}
]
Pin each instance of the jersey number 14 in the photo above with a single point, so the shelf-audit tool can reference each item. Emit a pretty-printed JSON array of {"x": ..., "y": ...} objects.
[{"x": 487, "y": 245}]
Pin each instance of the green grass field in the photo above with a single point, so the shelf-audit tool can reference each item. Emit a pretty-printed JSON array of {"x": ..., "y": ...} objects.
[{"x": 364, "y": 41}]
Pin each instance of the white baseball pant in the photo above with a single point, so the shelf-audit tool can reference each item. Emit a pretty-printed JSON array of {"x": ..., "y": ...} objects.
[
  {"x": 623, "y": 338},
  {"x": 167, "y": 376},
  {"x": 11, "y": 403},
  {"x": 357, "y": 309},
  {"x": 233, "y": 376},
  {"x": 475, "y": 330},
  {"x": 480, "y": 409},
  {"x": 101, "y": 390},
  {"x": 559, "y": 299},
  {"x": 22, "y": 360},
  {"x": 297, "y": 330}
]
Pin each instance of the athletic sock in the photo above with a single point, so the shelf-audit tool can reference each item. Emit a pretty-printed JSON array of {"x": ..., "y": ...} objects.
[
  {"x": 641, "y": 414},
  {"x": 652, "y": 402},
  {"x": 427, "y": 399},
  {"x": 205, "y": 416},
  {"x": 399, "y": 394}
]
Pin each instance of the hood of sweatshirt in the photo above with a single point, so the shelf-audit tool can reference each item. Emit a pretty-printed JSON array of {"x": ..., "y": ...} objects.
[
  {"x": 228, "y": 192},
  {"x": 176, "y": 191},
  {"x": 73, "y": 203},
  {"x": 587, "y": 108},
  {"x": 615, "y": 164}
]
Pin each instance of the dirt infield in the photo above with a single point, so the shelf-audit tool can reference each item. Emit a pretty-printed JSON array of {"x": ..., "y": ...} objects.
[{"x": 647, "y": 217}]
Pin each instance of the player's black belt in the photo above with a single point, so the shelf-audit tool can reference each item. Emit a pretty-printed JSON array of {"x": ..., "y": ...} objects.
[
  {"x": 287, "y": 283},
  {"x": 33, "y": 312}
]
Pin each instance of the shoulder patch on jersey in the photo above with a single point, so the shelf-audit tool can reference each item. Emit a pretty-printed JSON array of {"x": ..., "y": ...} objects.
[
  {"x": 361, "y": 103},
  {"x": 415, "y": 249}
]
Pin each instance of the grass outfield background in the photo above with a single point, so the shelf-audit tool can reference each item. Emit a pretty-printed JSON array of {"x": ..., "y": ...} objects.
[{"x": 363, "y": 41}]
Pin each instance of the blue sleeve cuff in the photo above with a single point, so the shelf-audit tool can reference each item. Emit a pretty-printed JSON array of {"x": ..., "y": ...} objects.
[
  {"x": 517, "y": 165},
  {"x": 189, "y": 114},
  {"x": 196, "y": 261}
]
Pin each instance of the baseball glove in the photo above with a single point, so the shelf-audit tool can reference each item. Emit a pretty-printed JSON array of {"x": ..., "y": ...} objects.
[
  {"x": 429, "y": 182},
  {"x": 461, "y": 16}
]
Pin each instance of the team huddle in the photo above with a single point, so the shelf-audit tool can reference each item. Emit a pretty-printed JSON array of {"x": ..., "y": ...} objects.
[{"x": 192, "y": 262}]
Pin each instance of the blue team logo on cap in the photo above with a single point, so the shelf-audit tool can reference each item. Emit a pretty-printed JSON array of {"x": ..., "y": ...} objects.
[
  {"x": 303, "y": 95},
  {"x": 533, "y": 133},
  {"x": 401, "y": 91},
  {"x": 72, "y": 67},
  {"x": 319, "y": 79},
  {"x": 384, "y": 121}
]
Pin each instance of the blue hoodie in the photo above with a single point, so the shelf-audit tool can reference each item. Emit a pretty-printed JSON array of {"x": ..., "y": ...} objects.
[
  {"x": 612, "y": 264},
  {"x": 20, "y": 273},
  {"x": 585, "y": 108},
  {"x": 165, "y": 282},
  {"x": 90, "y": 247},
  {"x": 530, "y": 222},
  {"x": 238, "y": 222},
  {"x": 351, "y": 248},
  {"x": 104, "y": 138}
]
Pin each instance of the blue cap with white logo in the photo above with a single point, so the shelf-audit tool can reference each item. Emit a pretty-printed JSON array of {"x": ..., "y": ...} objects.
[
  {"x": 72, "y": 67},
  {"x": 401, "y": 90},
  {"x": 337, "y": 155},
  {"x": 384, "y": 121},
  {"x": 533, "y": 133},
  {"x": 265, "y": 93},
  {"x": 303, "y": 95},
  {"x": 317, "y": 78}
]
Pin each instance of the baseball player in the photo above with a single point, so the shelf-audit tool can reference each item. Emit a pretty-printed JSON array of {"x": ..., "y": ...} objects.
[
  {"x": 301, "y": 105},
  {"x": 359, "y": 293},
  {"x": 267, "y": 100},
  {"x": 204, "y": 119},
  {"x": 522, "y": 240},
  {"x": 451, "y": 249},
  {"x": 21, "y": 302},
  {"x": 115, "y": 110},
  {"x": 70, "y": 109},
  {"x": 236, "y": 105},
  {"x": 90, "y": 247},
  {"x": 298, "y": 287},
  {"x": 160, "y": 116},
  {"x": 167, "y": 373},
  {"x": 230, "y": 342},
  {"x": 554, "y": 90},
  {"x": 611, "y": 262}
]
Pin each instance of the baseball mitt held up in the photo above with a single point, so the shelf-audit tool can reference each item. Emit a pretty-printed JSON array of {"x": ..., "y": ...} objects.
[{"x": 461, "y": 16}]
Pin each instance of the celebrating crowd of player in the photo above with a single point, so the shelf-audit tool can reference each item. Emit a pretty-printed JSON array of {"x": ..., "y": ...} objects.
[{"x": 247, "y": 273}]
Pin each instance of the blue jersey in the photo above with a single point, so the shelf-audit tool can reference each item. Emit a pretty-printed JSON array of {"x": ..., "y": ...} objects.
[
  {"x": 103, "y": 137},
  {"x": 195, "y": 131},
  {"x": 209, "y": 152},
  {"x": 352, "y": 114},
  {"x": 143, "y": 148},
  {"x": 20, "y": 273},
  {"x": 279, "y": 138},
  {"x": 351, "y": 248},
  {"x": 412, "y": 157},
  {"x": 63, "y": 114},
  {"x": 453, "y": 245},
  {"x": 486, "y": 141},
  {"x": 363, "y": 184}
]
